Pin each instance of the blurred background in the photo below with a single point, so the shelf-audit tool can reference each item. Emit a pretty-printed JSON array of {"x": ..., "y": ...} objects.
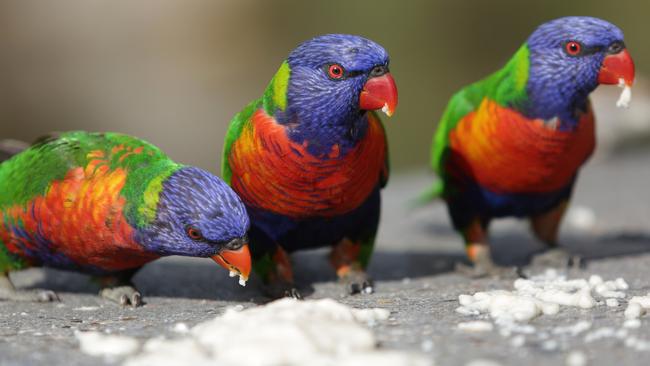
[{"x": 175, "y": 72}]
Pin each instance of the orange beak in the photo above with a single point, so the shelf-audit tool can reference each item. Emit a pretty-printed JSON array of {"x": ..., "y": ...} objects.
[
  {"x": 616, "y": 67},
  {"x": 238, "y": 261},
  {"x": 379, "y": 92}
]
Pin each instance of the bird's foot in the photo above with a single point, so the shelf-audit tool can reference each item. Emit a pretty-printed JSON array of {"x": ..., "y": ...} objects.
[
  {"x": 8, "y": 292},
  {"x": 482, "y": 270},
  {"x": 282, "y": 289},
  {"x": 483, "y": 266},
  {"x": 34, "y": 295},
  {"x": 357, "y": 282},
  {"x": 124, "y": 295},
  {"x": 557, "y": 258}
]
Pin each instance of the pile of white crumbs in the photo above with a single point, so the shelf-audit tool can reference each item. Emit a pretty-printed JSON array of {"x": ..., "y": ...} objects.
[
  {"x": 511, "y": 311},
  {"x": 284, "y": 332}
]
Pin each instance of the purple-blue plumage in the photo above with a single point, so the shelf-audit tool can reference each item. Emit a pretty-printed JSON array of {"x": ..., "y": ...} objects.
[
  {"x": 328, "y": 110},
  {"x": 192, "y": 197},
  {"x": 559, "y": 84}
]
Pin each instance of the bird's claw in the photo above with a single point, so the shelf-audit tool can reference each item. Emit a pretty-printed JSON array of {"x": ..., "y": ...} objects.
[
  {"x": 36, "y": 295},
  {"x": 123, "y": 295},
  {"x": 482, "y": 270},
  {"x": 281, "y": 289},
  {"x": 357, "y": 282},
  {"x": 558, "y": 258},
  {"x": 293, "y": 293},
  {"x": 364, "y": 287}
]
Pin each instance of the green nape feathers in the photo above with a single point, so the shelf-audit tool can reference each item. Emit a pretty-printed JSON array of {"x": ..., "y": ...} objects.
[{"x": 274, "y": 98}]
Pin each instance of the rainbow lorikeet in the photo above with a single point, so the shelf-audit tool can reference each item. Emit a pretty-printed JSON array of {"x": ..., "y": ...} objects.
[
  {"x": 106, "y": 204},
  {"x": 310, "y": 157},
  {"x": 512, "y": 143}
]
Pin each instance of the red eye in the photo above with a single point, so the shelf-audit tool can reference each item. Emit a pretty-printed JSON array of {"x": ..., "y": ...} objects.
[
  {"x": 194, "y": 233},
  {"x": 335, "y": 71},
  {"x": 573, "y": 48}
]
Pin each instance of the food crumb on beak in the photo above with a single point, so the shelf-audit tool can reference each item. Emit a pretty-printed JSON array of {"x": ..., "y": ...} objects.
[
  {"x": 385, "y": 109},
  {"x": 626, "y": 94},
  {"x": 242, "y": 281}
]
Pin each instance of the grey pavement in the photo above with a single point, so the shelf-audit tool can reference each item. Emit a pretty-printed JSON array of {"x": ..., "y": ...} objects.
[{"x": 413, "y": 268}]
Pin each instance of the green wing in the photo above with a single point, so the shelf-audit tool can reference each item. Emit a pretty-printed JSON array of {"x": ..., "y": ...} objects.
[
  {"x": 462, "y": 103},
  {"x": 234, "y": 131},
  {"x": 507, "y": 87}
]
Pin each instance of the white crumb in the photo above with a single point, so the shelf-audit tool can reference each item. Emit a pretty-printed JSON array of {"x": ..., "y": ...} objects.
[
  {"x": 612, "y": 303},
  {"x": 181, "y": 328},
  {"x": 626, "y": 94},
  {"x": 518, "y": 341},
  {"x": 637, "y": 307},
  {"x": 317, "y": 330},
  {"x": 426, "y": 346},
  {"x": 581, "y": 218},
  {"x": 637, "y": 344},
  {"x": 242, "y": 281},
  {"x": 110, "y": 346},
  {"x": 550, "y": 345},
  {"x": 544, "y": 295},
  {"x": 573, "y": 330},
  {"x": 599, "y": 334},
  {"x": 576, "y": 358},
  {"x": 476, "y": 326},
  {"x": 385, "y": 109},
  {"x": 632, "y": 323},
  {"x": 232, "y": 273},
  {"x": 482, "y": 362},
  {"x": 238, "y": 307},
  {"x": 86, "y": 308}
]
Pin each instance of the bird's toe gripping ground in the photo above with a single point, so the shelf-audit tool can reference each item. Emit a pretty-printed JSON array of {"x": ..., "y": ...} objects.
[
  {"x": 9, "y": 292},
  {"x": 277, "y": 272},
  {"x": 557, "y": 258},
  {"x": 124, "y": 295},
  {"x": 545, "y": 227},
  {"x": 346, "y": 258},
  {"x": 483, "y": 265},
  {"x": 478, "y": 252},
  {"x": 119, "y": 289}
]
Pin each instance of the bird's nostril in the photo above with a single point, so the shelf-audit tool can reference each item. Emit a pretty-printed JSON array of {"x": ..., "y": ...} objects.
[
  {"x": 235, "y": 244},
  {"x": 378, "y": 70},
  {"x": 615, "y": 48}
]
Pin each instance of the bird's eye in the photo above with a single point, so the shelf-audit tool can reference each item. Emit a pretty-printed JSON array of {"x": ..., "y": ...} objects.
[
  {"x": 194, "y": 233},
  {"x": 573, "y": 48},
  {"x": 335, "y": 71}
]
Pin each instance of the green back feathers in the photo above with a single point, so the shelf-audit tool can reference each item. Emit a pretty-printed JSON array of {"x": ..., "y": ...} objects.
[
  {"x": 507, "y": 87},
  {"x": 274, "y": 98},
  {"x": 31, "y": 172}
]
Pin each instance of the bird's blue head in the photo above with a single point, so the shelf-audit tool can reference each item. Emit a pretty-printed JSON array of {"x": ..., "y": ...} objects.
[
  {"x": 199, "y": 215},
  {"x": 569, "y": 58},
  {"x": 323, "y": 90}
]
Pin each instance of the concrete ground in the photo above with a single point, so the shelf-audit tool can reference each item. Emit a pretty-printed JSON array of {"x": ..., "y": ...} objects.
[{"x": 412, "y": 266}]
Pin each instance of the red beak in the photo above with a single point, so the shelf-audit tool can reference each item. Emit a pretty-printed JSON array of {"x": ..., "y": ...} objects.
[
  {"x": 238, "y": 261},
  {"x": 616, "y": 67},
  {"x": 380, "y": 92}
]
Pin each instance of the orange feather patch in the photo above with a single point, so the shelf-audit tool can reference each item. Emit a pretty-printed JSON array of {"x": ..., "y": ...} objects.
[
  {"x": 276, "y": 174},
  {"x": 81, "y": 217},
  {"x": 507, "y": 153}
]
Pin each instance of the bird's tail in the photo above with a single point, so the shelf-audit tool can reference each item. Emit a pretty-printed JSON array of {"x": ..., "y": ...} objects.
[
  {"x": 434, "y": 192},
  {"x": 9, "y": 148}
]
